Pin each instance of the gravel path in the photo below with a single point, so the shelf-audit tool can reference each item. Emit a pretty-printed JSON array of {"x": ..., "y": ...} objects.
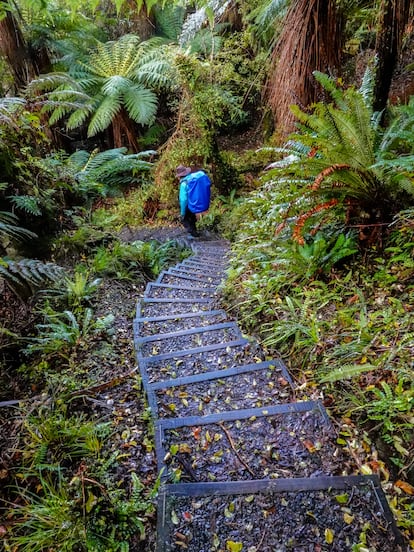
[{"x": 244, "y": 466}]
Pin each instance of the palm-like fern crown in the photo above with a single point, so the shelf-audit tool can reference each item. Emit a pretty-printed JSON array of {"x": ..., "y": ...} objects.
[
  {"x": 118, "y": 74},
  {"x": 115, "y": 58}
]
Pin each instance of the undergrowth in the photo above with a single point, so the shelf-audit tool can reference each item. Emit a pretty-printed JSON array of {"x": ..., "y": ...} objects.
[{"x": 321, "y": 282}]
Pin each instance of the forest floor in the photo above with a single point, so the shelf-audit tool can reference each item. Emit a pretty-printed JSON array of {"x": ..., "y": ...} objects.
[{"x": 111, "y": 391}]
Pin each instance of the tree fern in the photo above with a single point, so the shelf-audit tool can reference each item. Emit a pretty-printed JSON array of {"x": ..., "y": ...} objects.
[{"x": 118, "y": 80}]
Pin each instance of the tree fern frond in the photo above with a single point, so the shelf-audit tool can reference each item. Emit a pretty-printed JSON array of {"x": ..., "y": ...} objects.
[
  {"x": 115, "y": 57},
  {"x": 115, "y": 85},
  {"x": 141, "y": 104},
  {"x": 157, "y": 73},
  {"x": 169, "y": 21},
  {"x": 51, "y": 81},
  {"x": 97, "y": 159},
  {"x": 104, "y": 114},
  {"x": 78, "y": 159},
  {"x": 79, "y": 117}
]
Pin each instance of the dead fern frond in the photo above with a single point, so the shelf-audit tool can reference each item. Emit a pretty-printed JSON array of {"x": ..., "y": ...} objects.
[
  {"x": 300, "y": 223},
  {"x": 327, "y": 172},
  {"x": 26, "y": 276}
]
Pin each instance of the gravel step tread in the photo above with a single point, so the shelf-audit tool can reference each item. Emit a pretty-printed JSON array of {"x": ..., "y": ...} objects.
[
  {"x": 205, "y": 264},
  {"x": 250, "y": 386},
  {"x": 285, "y": 440},
  {"x": 187, "y": 332},
  {"x": 195, "y": 275},
  {"x": 160, "y": 307},
  {"x": 216, "y": 342},
  {"x": 197, "y": 361},
  {"x": 146, "y": 326},
  {"x": 190, "y": 281},
  {"x": 171, "y": 291},
  {"x": 197, "y": 270},
  {"x": 193, "y": 338},
  {"x": 285, "y": 515}
]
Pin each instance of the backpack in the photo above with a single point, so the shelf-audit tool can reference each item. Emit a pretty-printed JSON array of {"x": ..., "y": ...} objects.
[{"x": 198, "y": 190}]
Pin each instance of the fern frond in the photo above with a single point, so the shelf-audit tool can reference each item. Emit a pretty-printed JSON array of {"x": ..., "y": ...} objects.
[
  {"x": 29, "y": 204},
  {"x": 346, "y": 372},
  {"x": 367, "y": 87},
  {"x": 79, "y": 117},
  {"x": 115, "y": 85},
  {"x": 104, "y": 114},
  {"x": 328, "y": 84},
  {"x": 156, "y": 73},
  {"x": 28, "y": 275},
  {"x": 10, "y": 230},
  {"x": 141, "y": 104},
  {"x": 170, "y": 21}
]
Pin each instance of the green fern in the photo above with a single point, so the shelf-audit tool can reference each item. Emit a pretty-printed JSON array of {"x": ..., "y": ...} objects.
[
  {"x": 10, "y": 230},
  {"x": 118, "y": 75},
  {"x": 103, "y": 171},
  {"x": 347, "y": 371},
  {"x": 29, "y": 275},
  {"x": 29, "y": 204}
]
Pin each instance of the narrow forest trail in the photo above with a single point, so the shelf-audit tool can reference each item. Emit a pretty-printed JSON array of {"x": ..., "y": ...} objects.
[{"x": 245, "y": 466}]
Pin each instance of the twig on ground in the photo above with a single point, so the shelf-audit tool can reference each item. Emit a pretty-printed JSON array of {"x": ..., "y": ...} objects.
[{"x": 235, "y": 451}]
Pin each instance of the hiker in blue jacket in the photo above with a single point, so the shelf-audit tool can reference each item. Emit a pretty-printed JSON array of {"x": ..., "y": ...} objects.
[{"x": 188, "y": 218}]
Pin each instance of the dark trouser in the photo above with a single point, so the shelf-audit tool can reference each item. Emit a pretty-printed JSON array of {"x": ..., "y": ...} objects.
[{"x": 189, "y": 222}]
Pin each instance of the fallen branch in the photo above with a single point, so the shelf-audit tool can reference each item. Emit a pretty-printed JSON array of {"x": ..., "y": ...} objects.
[{"x": 235, "y": 451}]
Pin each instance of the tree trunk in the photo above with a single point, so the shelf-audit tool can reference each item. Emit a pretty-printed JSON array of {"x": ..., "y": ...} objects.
[
  {"x": 393, "y": 19},
  {"x": 14, "y": 49},
  {"x": 311, "y": 40},
  {"x": 125, "y": 132},
  {"x": 24, "y": 64}
]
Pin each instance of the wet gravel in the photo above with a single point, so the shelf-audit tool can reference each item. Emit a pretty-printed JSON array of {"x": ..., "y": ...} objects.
[
  {"x": 306, "y": 521},
  {"x": 198, "y": 363},
  {"x": 247, "y": 390},
  {"x": 176, "y": 343},
  {"x": 158, "y": 291},
  {"x": 176, "y": 307},
  {"x": 297, "y": 444},
  {"x": 147, "y": 328},
  {"x": 179, "y": 281},
  {"x": 196, "y": 275}
]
